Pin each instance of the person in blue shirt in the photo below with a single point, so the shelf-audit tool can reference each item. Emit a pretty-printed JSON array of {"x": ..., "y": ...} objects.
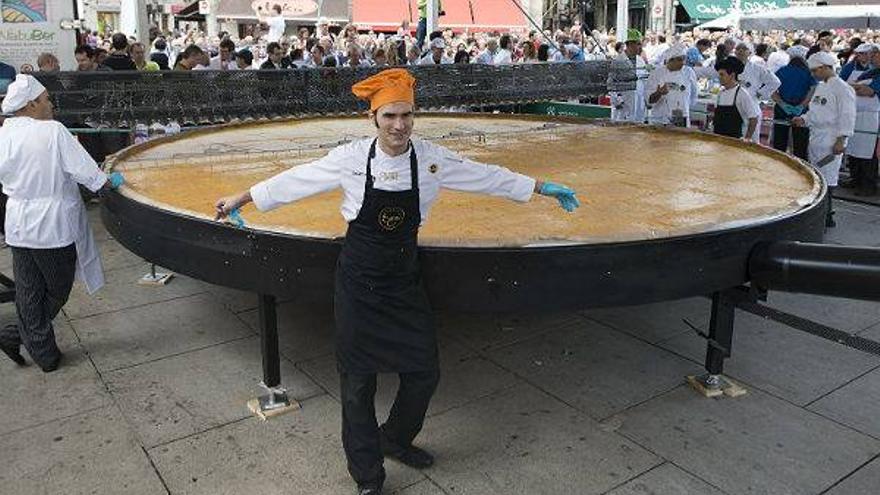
[
  {"x": 7, "y": 75},
  {"x": 791, "y": 100}
]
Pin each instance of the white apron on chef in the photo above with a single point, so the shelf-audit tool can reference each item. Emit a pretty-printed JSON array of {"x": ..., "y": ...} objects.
[
  {"x": 832, "y": 114},
  {"x": 863, "y": 144}
]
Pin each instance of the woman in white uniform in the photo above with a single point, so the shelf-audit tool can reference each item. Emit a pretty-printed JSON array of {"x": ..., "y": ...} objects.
[
  {"x": 41, "y": 165},
  {"x": 831, "y": 119},
  {"x": 672, "y": 89},
  {"x": 383, "y": 316}
]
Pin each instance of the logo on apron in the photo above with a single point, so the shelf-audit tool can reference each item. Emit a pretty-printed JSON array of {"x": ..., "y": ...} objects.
[{"x": 391, "y": 217}]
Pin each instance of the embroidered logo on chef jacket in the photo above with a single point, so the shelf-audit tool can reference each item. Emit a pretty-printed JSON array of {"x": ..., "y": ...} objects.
[
  {"x": 820, "y": 99},
  {"x": 391, "y": 217},
  {"x": 389, "y": 176},
  {"x": 433, "y": 168}
]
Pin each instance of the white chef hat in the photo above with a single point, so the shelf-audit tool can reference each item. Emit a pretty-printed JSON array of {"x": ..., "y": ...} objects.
[
  {"x": 675, "y": 51},
  {"x": 866, "y": 48},
  {"x": 821, "y": 58},
  {"x": 797, "y": 51},
  {"x": 438, "y": 43},
  {"x": 20, "y": 92}
]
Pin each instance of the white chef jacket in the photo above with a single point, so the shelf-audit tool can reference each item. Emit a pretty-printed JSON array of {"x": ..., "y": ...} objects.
[
  {"x": 502, "y": 57},
  {"x": 861, "y": 144},
  {"x": 631, "y": 103},
  {"x": 832, "y": 114},
  {"x": 681, "y": 97},
  {"x": 217, "y": 64},
  {"x": 760, "y": 83},
  {"x": 428, "y": 59},
  {"x": 41, "y": 164},
  {"x": 277, "y": 26},
  {"x": 345, "y": 167}
]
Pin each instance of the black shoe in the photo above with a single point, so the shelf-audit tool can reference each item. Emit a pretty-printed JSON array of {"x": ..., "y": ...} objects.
[
  {"x": 13, "y": 351},
  {"x": 53, "y": 365},
  {"x": 411, "y": 456},
  {"x": 363, "y": 490}
]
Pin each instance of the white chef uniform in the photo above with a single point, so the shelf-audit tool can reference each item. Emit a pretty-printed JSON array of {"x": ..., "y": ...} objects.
[
  {"x": 832, "y": 114},
  {"x": 41, "y": 164},
  {"x": 760, "y": 83},
  {"x": 631, "y": 104},
  {"x": 345, "y": 167},
  {"x": 682, "y": 94},
  {"x": 861, "y": 144}
]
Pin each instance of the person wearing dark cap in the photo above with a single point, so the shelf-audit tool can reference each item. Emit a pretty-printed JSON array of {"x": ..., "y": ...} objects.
[
  {"x": 384, "y": 320},
  {"x": 735, "y": 106}
]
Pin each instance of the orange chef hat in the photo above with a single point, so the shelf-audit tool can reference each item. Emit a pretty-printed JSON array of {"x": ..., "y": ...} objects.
[{"x": 388, "y": 86}]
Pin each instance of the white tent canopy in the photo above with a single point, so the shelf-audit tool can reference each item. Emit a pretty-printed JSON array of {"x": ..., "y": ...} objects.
[
  {"x": 815, "y": 18},
  {"x": 730, "y": 20}
]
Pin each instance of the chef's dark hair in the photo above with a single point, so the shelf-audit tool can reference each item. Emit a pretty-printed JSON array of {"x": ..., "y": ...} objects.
[{"x": 731, "y": 65}]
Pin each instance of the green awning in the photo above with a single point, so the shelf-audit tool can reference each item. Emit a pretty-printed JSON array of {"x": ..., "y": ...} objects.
[{"x": 706, "y": 10}]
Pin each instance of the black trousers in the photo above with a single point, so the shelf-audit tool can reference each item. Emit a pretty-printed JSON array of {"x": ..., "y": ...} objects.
[
  {"x": 864, "y": 173},
  {"x": 800, "y": 136},
  {"x": 360, "y": 431},
  {"x": 43, "y": 279}
]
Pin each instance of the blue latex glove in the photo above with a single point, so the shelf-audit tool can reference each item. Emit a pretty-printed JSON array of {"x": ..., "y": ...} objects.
[
  {"x": 563, "y": 194},
  {"x": 797, "y": 109},
  {"x": 235, "y": 216},
  {"x": 116, "y": 180}
]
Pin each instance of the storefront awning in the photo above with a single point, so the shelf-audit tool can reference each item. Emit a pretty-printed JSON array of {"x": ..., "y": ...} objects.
[
  {"x": 305, "y": 11},
  {"x": 704, "y": 10},
  {"x": 475, "y": 15}
]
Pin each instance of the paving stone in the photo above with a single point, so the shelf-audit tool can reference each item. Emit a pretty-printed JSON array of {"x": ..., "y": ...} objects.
[
  {"x": 114, "y": 256},
  {"x": 848, "y": 315},
  {"x": 865, "y": 481},
  {"x": 857, "y": 225},
  {"x": 667, "y": 479},
  {"x": 189, "y": 393},
  {"x": 91, "y": 453},
  {"x": 29, "y": 397},
  {"x": 6, "y": 261},
  {"x": 304, "y": 331},
  {"x": 297, "y": 453},
  {"x": 522, "y": 441},
  {"x": 872, "y": 333},
  {"x": 145, "y": 333},
  {"x": 484, "y": 331},
  {"x": 123, "y": 291},
  {"x": 778, "y": 359},
  {"x": 855, "y": 404},
  {"x": 464, "y": 376},
  {"x": 421, "y": 488},
  {"x": 234, "y": 300},
  {"x": 753, "y": 444},
  {"x": 656, "y": 322},
  {"x": 596, "y": 369}
]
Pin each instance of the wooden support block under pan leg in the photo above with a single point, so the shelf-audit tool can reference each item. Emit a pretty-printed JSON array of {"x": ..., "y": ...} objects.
[{"x": 721, "y": 386}]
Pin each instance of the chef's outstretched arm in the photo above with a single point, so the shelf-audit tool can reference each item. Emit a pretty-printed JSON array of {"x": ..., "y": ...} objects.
[
  {"x": 461, "y": 174},
  {"x": 291, "y": 185}
]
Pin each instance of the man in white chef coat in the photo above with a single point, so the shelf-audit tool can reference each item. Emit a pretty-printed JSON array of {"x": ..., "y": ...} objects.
[
  {"x": 672, "y": 89},
  {"x": 41, "y": 164},
  {"x": 629, "y": 106},
  {"x": 383, "y": 317},
  {"x": 862, "y": 146},
  {"x": 831, "y": 119},
  {"x": 759, "y": 82}
]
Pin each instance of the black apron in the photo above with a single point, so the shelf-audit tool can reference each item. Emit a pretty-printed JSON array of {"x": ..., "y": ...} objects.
[
  {"x": 384, "y": 322},
  {"x": 728, "y": 121}
]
